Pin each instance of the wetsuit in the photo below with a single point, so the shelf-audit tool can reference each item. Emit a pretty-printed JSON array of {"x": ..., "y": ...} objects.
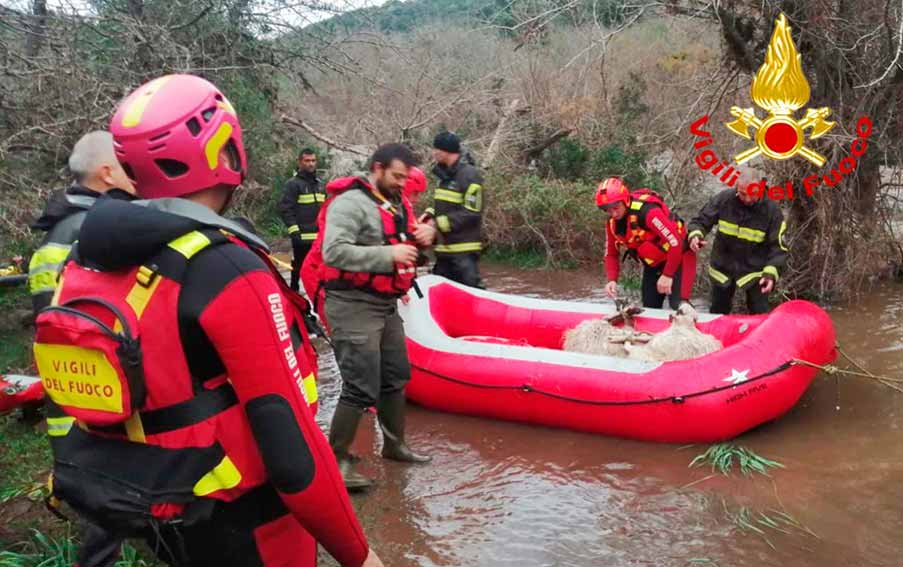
[{"x": 218, "y": 328}]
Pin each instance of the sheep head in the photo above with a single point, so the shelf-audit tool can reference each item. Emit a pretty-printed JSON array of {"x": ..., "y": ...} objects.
[{"x": 685, "y": 316}]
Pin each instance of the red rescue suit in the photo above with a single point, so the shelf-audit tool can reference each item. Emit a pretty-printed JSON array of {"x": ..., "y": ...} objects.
[
  {"x": 654, "y": 235},
  {"x": 213, "y": 408}
]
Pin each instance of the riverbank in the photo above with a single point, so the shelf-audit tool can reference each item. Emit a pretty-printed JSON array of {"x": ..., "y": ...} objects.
[{"x": 509, "y": 494}]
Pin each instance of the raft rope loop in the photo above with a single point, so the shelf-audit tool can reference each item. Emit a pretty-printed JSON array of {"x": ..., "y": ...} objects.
[{"x": 832, "y": 370}]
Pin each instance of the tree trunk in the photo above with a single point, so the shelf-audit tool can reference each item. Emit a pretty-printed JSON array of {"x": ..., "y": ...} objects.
[
  {"x": 493, "y": 150},
  {"x": 534, "y": 151},
  {"x": 142, "y": 52},
  {"x": 37, "y": 28}
]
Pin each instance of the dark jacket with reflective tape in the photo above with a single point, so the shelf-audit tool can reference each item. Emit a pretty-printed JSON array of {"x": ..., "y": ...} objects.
[
  {"x": 750, "y": 243},
  {"x": 301, "y": 200},
  {"x": 61, "y": 220},
  {"x": 458, "y": 208}
]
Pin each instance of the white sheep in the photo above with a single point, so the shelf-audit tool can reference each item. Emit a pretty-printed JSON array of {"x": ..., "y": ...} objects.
[
  {"x": 681, "y": 341},
  {"x": 593, "y": 336}
]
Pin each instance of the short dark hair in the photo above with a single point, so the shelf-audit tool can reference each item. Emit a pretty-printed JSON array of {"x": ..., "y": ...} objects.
[
  {"x": 387, "y": 153},
  {"x": 307, "y": 152}
]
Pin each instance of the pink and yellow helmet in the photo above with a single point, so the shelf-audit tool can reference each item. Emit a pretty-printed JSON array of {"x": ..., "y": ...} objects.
[{"x": 169, "y": 134}]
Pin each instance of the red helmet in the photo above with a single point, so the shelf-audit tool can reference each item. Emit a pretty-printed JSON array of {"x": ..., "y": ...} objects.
[
  {"x": 416, "y": 182},
  {"x": 168, "y": 135},
  {"x": 611, "y": 191}
]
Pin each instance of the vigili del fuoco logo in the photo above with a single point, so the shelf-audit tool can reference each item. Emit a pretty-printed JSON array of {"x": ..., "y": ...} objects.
[{"x": 780, "y": 89}]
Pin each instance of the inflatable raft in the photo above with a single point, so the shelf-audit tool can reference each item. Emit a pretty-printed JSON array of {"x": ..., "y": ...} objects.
[
  {"x": 488, "y": 354},
  {"x": 19, "y": 391}
]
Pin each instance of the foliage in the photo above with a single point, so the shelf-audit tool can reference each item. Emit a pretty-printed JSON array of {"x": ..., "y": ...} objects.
[
  {"x": 721, "y": 456},
  {"x": 543, "y": 216},
  {"x": 25, "y": 456},
  {"x": 44, "y": 550},
  {"x": 398, "y": 16},
  {"x": 568, "y": 159}
]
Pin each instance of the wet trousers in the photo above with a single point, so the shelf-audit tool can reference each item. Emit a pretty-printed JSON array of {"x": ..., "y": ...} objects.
[
  {"x": 369, "y": 344},
  {"x": 723, "y": 299},
  {"x": 462, "y": 268}
]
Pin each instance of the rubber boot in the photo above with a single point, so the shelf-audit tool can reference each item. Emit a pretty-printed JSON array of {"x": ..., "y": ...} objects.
[
  {"x": 341, "y": 435},
  {"x": 390, "y": 409}
]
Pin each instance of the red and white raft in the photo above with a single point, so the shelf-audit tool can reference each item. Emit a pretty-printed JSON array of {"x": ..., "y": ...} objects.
[
  {"x": 19, "y": 391},
  {"x": 494, "y": 355}
]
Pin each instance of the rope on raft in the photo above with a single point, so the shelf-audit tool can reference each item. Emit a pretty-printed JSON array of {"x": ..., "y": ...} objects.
[
  {"x": 830, "y": 369},
  {"x": 676, "y": 399}
]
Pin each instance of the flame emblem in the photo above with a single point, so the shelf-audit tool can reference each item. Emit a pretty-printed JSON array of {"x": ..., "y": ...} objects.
[{"x": 780, "y": 88}]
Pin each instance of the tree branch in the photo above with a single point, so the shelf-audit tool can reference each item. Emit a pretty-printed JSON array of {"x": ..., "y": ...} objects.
[{"x": 328, "y": 141}]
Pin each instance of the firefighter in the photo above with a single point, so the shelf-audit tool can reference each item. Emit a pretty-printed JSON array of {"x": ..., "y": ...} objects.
[
  {"x": 179, "y": 351},
  {"x": 302, "y": 198},
  {"x": 370, "y": 248},
  {"x": 457, "y": 212},
  {"x": 310, "y": 271},
  {"x": 641, "y": 225},
  {"x": 96, "y": 171},
  {"x": 750, "y": 248}
]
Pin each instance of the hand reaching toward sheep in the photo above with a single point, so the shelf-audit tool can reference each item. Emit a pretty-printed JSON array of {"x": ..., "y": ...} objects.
[{"x": 664, "y": 285}]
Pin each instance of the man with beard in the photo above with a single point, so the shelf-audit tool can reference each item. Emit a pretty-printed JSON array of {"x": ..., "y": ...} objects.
[{"x": 370, "y": 248}]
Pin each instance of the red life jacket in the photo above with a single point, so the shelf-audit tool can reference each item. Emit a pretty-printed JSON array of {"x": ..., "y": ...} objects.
[
  {"x": 644, "y": 243},
  {"x": 398, "y": 228},
  {"x": 310, "y": 269},
  {"x": 109, "y": 355}
]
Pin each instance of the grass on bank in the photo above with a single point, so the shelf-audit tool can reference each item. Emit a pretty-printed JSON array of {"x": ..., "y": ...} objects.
[
  {"x": 15, "y": 342},
  {"x": 721, "y": 457},
  {"x": 30, "y": 536},
  {"x": 25, "y": 458},
  {"x": 45, "y": 550}
]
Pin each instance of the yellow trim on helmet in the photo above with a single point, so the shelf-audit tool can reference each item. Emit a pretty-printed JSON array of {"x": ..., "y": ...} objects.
[
  {"x": 227, "y": 106},
  {"x": 216, "y": 143},
  {"x": 139, "y": 101}
]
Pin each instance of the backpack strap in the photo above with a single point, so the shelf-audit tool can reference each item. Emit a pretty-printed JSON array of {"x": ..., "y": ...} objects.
[{"x": 172, "y": 262}]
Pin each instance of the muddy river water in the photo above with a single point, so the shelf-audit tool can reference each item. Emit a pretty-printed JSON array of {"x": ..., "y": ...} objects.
[{"x": 504, "y": 494}]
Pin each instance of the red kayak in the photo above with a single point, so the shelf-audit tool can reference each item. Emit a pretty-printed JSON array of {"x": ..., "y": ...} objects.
[
  {"x": 18, "y": 391},
  {"x": 489, "y": 354}
]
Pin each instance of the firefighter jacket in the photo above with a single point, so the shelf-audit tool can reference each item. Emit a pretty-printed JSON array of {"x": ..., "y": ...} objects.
[
  {"x": 61, "y": 220},
  {"x": 301, "y": 200},
  {"x": 751, "y": 239},
  {"x": 219, "y": 374},
  {"x": 458, "y": 207}
]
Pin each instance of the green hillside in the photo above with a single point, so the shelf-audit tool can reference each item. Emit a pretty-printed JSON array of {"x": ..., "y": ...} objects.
[{"x": 398, "y": 16}]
